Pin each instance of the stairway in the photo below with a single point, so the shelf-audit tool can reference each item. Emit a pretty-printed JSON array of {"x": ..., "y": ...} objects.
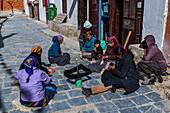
[{"x": 60, "y": 18}]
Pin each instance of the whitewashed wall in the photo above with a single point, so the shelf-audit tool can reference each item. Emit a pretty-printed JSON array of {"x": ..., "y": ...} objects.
[
  {"x": 74, "y": 17},
  {"x": 42, "y": 11},
  {"x": 154, "y": 19},
  {"x": 58, "y": 4},
  {"x": 26, "y": 7}
]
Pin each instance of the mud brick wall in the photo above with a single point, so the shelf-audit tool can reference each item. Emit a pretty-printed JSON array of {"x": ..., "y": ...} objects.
[{"x": 16, "y": 4}]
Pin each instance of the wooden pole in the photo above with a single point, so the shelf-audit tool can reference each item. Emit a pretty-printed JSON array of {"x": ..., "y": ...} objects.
[
  {"x": 77, "y": 65},
  {"x": 127, "y": 39}
]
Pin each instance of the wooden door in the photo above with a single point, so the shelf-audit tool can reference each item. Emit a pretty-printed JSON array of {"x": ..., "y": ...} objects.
[
  {"x": 111, "y": 17},
  {"x": 83, "y": 13},
  {"x": 132, "y": 10},
  {"x": 118, "y": 14},
  {"x": 94, "y": 16},
  {"x": 64, "y": 5}
]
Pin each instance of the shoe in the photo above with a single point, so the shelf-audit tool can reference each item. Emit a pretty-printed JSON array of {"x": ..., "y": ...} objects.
[
  {"x": 15, "y": 83},
  {"x": 86, "y": 91},
  {"x": 160, "y": 79},
  {"x": 150, "y": 81}
]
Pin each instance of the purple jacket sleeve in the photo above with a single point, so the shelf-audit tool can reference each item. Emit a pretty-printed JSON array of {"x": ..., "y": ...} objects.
[
  {"x": 112, "y": 57},
  {"x": 17, "y": 76},
  {"x": 45, "y": 78},
  {"x": 151, "y": 52}
]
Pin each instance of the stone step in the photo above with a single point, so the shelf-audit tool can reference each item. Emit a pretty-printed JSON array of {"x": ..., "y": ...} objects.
[{"x": 60, "y": 18}]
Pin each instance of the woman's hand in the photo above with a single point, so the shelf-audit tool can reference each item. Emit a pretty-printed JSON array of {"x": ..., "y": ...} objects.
[
  {"x": 83, "y": 51},
  {"x": 42, "y": 63},
  {"x": 144, "y": 51},
  {"x": 94, "y": 49},
  {"x": 111, "y": 67},
  {"x": 105, "y": 57}
]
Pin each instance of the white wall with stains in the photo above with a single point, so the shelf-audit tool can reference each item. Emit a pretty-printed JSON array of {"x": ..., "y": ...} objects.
[{"x": 154, "y": 19}]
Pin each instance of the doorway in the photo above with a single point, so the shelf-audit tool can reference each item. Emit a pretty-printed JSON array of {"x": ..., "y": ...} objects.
[
  {"x": 119, "y": 17},
  {"x": 83, "y": 14},
  {"x": 64, "y": 5},
  {"x": 111, "y": 18}
]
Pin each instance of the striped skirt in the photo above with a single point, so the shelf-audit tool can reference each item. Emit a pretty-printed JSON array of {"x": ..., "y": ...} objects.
[{"x": 49, "y": 94}]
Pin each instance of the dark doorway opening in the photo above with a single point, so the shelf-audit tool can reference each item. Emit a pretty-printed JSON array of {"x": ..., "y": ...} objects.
[
  {"x": 64, "y": 5},
  {"x": 83, "y": 14}
]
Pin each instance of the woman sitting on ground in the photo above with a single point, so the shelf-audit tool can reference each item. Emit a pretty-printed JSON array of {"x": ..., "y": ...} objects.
[
  {"x": 33, "y": 93},
  {"x": 54, "y": 53},
  {"x": 89, "y": 45},
  {"x": 110, "y": 55},
  {"x": 121, "y": 75},
  {"x": 153, "y": 62},
  {"x": 36, "y": 52},
  {"x": 112, "y": 44}
]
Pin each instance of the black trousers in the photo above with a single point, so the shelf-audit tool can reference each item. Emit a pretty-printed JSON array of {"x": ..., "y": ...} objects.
[
  {"x": 145, "y": 68},
  {"x": 61, "y": 60}
]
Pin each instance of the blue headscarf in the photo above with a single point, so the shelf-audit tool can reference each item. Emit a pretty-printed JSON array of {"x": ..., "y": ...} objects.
[{"x": 29, "y": 62}]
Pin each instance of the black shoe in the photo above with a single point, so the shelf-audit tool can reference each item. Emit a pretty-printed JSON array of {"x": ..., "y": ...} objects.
[
  {"x": 160, "y": 80},
  {"x": 86, "y": 91},
  {"x": 48, "y": 65}
]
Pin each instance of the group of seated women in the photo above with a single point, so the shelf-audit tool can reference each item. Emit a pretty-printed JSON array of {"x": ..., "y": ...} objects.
[{"x": 122, "y": 72}]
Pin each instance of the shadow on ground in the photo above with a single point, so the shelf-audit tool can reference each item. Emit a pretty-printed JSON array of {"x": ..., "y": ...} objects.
[{"x": 4, "y": 65}]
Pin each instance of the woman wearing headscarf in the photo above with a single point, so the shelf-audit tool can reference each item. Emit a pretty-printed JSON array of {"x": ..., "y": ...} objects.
[
  {"x": 87, "y": 27},
  {"x": 112, "y": 44},
  {"x": 153, "y": 62},
  {"x": 54, "y": 53},
  {"x": 89, "y": 45},
  {"x": 36, "y": 52},
  {"x": 33, "y": 93},
  {"x": 110, "y": 56}
]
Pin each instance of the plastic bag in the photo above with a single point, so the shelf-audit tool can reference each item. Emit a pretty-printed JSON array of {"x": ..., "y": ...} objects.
[{"x": 103, "y": 44}]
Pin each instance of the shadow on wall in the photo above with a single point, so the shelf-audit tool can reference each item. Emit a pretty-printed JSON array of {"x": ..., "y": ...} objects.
[{"x": 72, "y": 8}]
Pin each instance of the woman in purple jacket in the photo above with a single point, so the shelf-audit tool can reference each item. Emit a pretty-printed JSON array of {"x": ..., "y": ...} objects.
[
  {"x": 153, "y": 61},
  {"x": 35, "y": 90}
]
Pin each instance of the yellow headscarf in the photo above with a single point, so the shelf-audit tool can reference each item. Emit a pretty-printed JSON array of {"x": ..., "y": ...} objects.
[{"x": 36, "y": 49}]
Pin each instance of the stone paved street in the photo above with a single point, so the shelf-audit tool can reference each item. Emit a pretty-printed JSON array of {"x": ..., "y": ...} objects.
[{"x": 19, "y": 35}]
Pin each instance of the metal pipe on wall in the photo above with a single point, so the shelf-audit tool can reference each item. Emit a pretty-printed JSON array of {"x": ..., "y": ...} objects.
[
  {"x": 100, "y": 11},
  {"x": 46, "y": 8}
]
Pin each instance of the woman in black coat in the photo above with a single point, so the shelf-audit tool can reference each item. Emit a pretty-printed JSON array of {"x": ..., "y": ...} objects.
[{"x": 121, "y": 75}]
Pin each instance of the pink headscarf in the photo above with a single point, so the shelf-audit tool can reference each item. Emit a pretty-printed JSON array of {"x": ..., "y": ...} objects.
[
  {"x": 60, "y": 37},
  {"x": 112, "y": 38}
]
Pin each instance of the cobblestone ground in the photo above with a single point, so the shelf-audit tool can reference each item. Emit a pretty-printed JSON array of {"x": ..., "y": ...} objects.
[{"x": 20, "y": 35}]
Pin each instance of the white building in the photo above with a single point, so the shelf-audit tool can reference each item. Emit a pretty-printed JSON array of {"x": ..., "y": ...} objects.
[{"x": 146, "y": 17}]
